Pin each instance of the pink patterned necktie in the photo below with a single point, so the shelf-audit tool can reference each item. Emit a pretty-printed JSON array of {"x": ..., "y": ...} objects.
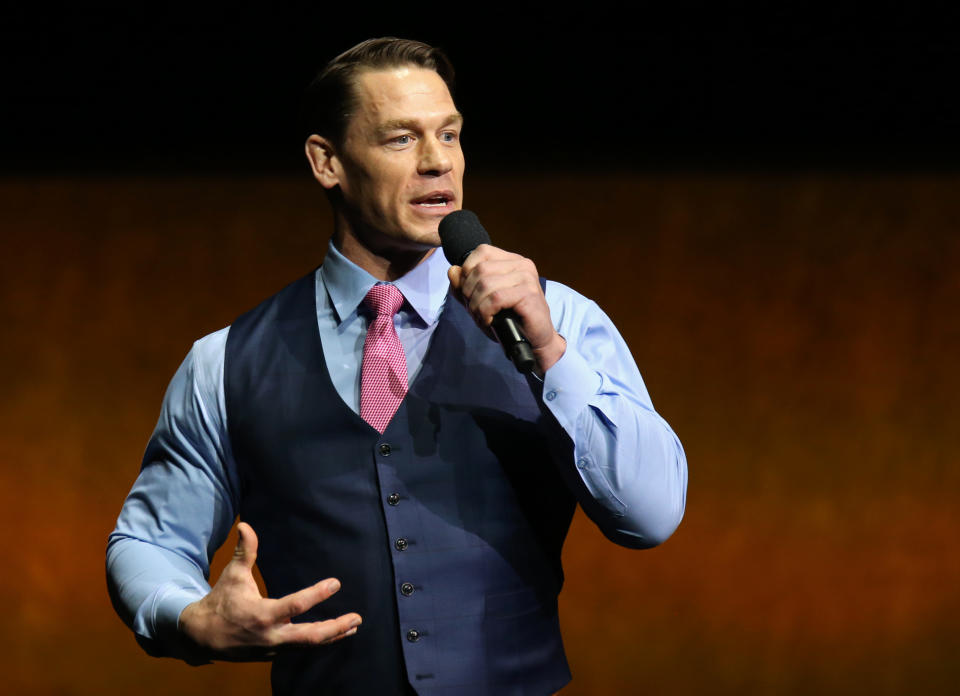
[{"x": 383, "y": 377}]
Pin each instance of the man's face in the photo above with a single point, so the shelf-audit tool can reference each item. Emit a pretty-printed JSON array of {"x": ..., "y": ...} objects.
[{"x": 402, "y": 166}]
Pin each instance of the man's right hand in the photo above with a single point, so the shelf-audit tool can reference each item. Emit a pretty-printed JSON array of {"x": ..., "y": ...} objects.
[{"x": 235, "y": 622}]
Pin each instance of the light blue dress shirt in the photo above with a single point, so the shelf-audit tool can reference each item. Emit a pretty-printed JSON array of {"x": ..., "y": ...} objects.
[{"x": 183, "y": 503}]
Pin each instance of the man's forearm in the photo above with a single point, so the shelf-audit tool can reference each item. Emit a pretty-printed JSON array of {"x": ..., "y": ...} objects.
[
  {"x": 149, "y": 587},
  {"x": 627, "y": 468}
]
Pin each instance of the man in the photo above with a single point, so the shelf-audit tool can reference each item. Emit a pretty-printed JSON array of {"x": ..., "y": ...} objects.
[{"x": 362, "y": 426}]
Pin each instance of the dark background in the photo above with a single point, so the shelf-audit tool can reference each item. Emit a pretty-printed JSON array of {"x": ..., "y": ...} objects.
[
  {"x": 216, "y": 87},
  {"x": 765, "y": 204}
]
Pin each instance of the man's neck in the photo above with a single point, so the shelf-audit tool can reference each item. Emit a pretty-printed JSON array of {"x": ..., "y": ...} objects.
[{"x": 389, "y": 265}]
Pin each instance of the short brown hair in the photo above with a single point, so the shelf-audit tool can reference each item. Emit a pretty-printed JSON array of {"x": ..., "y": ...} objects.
[{"x": 331, "y": 99}]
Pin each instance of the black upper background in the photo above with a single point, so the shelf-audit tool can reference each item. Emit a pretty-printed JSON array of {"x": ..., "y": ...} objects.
[{"x": 202, "y": 88}]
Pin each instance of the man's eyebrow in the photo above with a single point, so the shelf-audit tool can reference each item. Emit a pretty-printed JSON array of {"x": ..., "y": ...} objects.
[{"x": 411, "y": 124}]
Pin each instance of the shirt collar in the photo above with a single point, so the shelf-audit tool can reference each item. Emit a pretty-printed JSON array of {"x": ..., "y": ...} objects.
[{"x": 424, "y": 287}]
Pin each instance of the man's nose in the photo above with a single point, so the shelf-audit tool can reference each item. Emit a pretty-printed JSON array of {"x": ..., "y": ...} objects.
[{"x": 434, "y": 157}]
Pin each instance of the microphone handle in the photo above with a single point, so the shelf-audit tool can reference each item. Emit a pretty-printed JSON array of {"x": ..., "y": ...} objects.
[{"x": 507, "y": 330}]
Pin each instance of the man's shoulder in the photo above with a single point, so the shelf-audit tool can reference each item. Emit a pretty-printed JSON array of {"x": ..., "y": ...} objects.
[
  {"x": 210, "y": 345},
  {"x": 206, "y": 358},
  {"x": 206, "y": 361},
  {"x": 300, "y": 290}
]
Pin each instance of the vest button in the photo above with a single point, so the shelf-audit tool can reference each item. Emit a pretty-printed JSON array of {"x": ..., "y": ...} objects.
[
  {"x": 393, "y": 499},
  {"x": 413, "y": 635},
  {"x": 406, "y": 589},
  {"x": 400, "y": 543},
  {"x": 385, "y": 450}
]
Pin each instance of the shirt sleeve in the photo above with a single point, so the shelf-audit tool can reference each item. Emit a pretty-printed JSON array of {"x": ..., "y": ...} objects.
[
  {"x": 629, "y": 469},
  {"x": 180, "y": 508}
]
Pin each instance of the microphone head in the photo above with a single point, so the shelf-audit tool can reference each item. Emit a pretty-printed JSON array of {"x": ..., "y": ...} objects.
[{"x": 461, "y": 233}]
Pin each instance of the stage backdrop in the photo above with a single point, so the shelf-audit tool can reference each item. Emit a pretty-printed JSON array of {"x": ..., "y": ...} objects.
[{"x": 799, "y": 331}]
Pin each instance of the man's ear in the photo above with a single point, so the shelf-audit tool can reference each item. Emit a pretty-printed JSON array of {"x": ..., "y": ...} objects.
[{"x": 323, "y": 160}]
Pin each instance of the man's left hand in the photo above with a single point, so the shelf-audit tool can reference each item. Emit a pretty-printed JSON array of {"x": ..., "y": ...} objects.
[{"x": 491, "y": 280}]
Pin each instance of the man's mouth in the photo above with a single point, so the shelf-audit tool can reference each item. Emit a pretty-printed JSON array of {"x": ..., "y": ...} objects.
[{"x": 435, "y": 199}]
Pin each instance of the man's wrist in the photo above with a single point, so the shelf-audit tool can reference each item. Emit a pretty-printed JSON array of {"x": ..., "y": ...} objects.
[
  {"x": 548, "y": 355},
  {"x": 188, "y": 624},
  {"x": 192, "y": 629}
]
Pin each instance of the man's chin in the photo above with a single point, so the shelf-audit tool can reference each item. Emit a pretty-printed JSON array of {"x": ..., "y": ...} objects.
[
  {"x": 423, "y": 236},
  {"x": 418, "y": 243},
  {"x": 432, "y": 241}
]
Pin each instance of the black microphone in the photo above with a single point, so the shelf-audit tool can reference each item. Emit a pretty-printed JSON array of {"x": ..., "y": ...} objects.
[{"x": 461, "y": 233}]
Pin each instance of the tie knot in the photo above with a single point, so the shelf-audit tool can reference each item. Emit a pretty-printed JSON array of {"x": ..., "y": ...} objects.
[{"x": 384, "y": 299}]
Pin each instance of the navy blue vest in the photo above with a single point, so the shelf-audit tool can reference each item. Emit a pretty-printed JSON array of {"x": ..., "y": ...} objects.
[{"x": 446, "y": 530}]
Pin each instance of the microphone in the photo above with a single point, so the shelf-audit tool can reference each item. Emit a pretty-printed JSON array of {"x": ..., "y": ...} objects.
[{"x": 461, "y": 233}]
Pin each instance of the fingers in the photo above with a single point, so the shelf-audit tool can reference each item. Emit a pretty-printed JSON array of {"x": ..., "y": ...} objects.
[
  {"x": 488, "y": 271},
  {"x": 499, "y": 294},
  {"x": 235, "y": 622},
  {"x": 303, "y": 600},
  {"x": 270, "y": 627},
  {"x": 455, "y": 275},
  {"x": 498, "y": 284},
  {"x": 246, "y": 551},
  {"x": 318, "y": 632},
  {"x": 492, "y": 280},
  {"x": 485, "y": 255}
]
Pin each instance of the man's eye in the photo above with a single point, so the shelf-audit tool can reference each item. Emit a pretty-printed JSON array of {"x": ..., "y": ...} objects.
[
  {"x": 401, "y": 140},
  {"x": 448, "y": 136}
]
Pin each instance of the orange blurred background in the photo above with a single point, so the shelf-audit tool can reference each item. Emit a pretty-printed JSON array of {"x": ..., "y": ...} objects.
[{"x": 798, "y": 330}]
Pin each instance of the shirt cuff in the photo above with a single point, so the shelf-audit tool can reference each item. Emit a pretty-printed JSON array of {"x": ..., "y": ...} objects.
[
  {"x": 568, "y": 386},
  {"x": 160, "y": 623}
]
